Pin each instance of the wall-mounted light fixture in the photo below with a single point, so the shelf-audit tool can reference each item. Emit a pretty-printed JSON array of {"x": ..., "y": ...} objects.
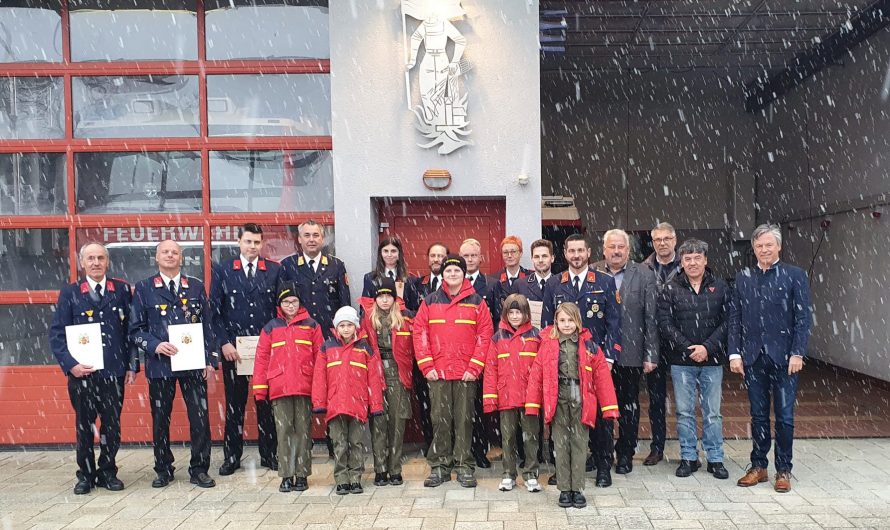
[{"x": 437, "y": 179}]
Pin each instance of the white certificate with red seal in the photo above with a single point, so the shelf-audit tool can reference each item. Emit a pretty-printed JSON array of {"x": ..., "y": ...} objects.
[
  {"x": 189, "y": 341},
  {"x": 85, "y": 344}
]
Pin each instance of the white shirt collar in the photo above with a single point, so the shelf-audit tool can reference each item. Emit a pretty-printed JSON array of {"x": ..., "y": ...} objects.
[
  {"x": 315, "y": 261},
  {"x": 544, "y": 278},
  {"x": 245, "y": 262},
  {"x": 395, "y": 273},
  {"x": 94, "y": 283},
  {"x": 472, "y": 277},
  {"x": 167, "y": 280},
  {"x": 581, "y": 275}
]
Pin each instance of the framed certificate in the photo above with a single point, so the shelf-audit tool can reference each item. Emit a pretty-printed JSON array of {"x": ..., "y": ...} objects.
[
  {"x": 246, "y": 347},
  {"x": 85, "y": 344},
  {"x": 189, "y": 340}
]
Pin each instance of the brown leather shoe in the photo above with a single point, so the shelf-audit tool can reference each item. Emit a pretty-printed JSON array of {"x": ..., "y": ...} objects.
[
  {"x": 783, "y": 481},
  {"x": 653, "y": 458},
  {"x": 753, "y": 477}
]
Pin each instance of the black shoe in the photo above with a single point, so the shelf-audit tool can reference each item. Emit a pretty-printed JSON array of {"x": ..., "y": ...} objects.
[
  {"x": 625, "y": 465},
  {"x": 552, "y": 480},
  {"x": 687, "y": 468},
  {"x": 162, "y": 480},
  {"x": 590, "y": 465},
  {"x": 269, "y": 463},
  {"x": 396, "y": 480},
  {"x": 110, "y": 482},
  {"x": 228, "y": 468},
  {"x": 435, "y": 480},
  {"x": 83, "y": 486},
  {"x": 203, "y": 480},
  {"x": 482, "y": 462},
  {"x": 467, "y": 480},
  {"x": 380, "y": 479},
  {"x": 603, "y": 478},
  {"x": 287, "y": 485},
  {"x": 718, "y": 470},
  {"x": 300, "y": 484},
  {"x": 566, "y": 498},
  {"x": 654, "y": 458},
  {"x": 356, "y": 488},
  {"x": 578, "y": 500},
  {"x": 343, "y": 489}
]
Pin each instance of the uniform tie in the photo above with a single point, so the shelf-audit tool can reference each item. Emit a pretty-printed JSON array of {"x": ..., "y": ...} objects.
[
  {"x": 312, "y": 267},
  {"x": 435, "y": 283},
  {"x": 577, "y": 283},
  {"x": 510, "y": 281},
  {"x": 542, "y": 284},
  {"x": 172, "y": 285},
  {"x": 392, "y": 275},
  {"x": 99, "y": 291},
  {"x": 250, "y": 271}
]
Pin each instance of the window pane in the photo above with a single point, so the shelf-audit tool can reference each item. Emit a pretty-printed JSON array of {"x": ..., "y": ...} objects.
[
  {"x": 32, "y": 184},
  {"x": 31, "y": 108},
  {"x": 266, "y": 29},
  {"x": 115, "y": 30},
  {"x": 271, "y": 181},
  {"x": 135, "y": 106},
  {"x": 138, "y": 182},
  {"x": 33, "y": 259},
  {"x": 131, "y": 250},
  {"x": 24, "y": 340},
  {"x": 269, "y": 105},
  {"x": 31, "y": 31},
  {"x": 279, "y": 241}
]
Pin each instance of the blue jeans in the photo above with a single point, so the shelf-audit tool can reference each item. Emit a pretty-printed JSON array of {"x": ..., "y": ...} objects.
[
  {"x": 765, "y": 379},
  {"x": 709, "y": 379}
]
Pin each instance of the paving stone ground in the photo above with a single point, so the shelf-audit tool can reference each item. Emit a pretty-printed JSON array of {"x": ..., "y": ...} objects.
[{"x": 839, "y": 484}]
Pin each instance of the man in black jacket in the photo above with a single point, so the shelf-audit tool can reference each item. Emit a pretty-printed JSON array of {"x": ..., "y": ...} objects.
[{"x": 692, "y": 319}]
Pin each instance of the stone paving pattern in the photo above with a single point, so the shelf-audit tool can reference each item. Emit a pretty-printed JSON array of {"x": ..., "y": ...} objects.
[{"x": 839, "y": 484}]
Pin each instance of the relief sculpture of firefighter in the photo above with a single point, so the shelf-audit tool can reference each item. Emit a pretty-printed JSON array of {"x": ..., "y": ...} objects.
[{"x": 442, "y": 114}]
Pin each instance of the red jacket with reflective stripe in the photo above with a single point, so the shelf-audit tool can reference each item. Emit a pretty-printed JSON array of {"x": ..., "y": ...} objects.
[
  {"x": 348, "y": 379},
  {"x": 402, "y": 346},
  {"x": 510, "y": 359},
  {"x": 452, "y": 335},
  {"x": 594, "y": 377},
  {"x": 285, "y": 356}
]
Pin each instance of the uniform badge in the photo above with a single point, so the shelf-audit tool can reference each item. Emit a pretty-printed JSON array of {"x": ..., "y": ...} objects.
[
  {"x": 590, "y": 314},
  {"x": 600, "y": 315},
  {"x": 184, "y": 282},
  {"x": 617, "y": 297},
  {"x": 711, "y": 289},
  {"x": 163, "y": 309},
  {"x": 158, "y": 282},
  {"x": 595, "y": 308},
  {"x": 89, "y": 313},
  {"x": 194, "y": 318},
  {"x": 185, "y": 302}
]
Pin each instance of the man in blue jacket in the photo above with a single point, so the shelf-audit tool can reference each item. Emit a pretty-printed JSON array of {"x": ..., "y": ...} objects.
[
  {"x": 243, "y": 294},
  {"x": 162, "y": 300},
  {"x": 105, "y": 301},
  {"x": 769, "y": 327}
]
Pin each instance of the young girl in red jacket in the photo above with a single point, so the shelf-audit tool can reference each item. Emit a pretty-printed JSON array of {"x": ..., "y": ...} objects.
[
  {"x": 389, "y": 332},
  {"x": 569, "y": 380},
  {"x": 285, "y": 356},
  {"x": 514, "y": 348},
  {"x": 347, "y": 383}
]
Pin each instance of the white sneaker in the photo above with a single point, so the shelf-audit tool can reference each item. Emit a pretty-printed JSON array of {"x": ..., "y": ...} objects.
[
  {"x": 507, "y": 484},
  {"x": 532, "y": 485}
]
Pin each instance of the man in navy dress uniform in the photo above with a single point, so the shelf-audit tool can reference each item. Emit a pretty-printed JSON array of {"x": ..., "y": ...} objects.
[
  {"x": 159, "y": 301},
  {"x": 243, "y": 296},
  {"x": 506, "y": 281},
  {"x": 105, "y": 301},
  {"x": 598, "y": 300},
  {"x": 324, "y": 284},
  {"x": 769, "y": 328}
]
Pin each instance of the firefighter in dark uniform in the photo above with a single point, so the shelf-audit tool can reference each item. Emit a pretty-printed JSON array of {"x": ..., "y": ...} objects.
[
  {"x": 597, "y": 298},
  {"x": 159, "y": 301},
  {"x": 324, "y": 284},
  {"x": 243, "y": 295},
  {"x": 507, "y": 280},
  {"x": 105, "y": 301},
  {"x": 423, "y": 286}
]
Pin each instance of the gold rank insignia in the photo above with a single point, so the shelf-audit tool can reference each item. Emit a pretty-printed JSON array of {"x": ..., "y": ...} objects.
[
  {"x": 185, "y": 301},
  {"x": 89, "y": 312}
]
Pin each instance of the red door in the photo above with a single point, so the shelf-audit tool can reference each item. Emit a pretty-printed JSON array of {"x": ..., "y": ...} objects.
[{"x": 422, "y": 222}]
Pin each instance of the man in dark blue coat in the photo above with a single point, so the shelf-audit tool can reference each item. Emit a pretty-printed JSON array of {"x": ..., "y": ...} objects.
[
  {"x": 162, "y": 300},
  {"x": 769, "y": 328},
  {"x": 324, "y": 284},
  {"x": 105, "y": 301},
  {"x": 506, "y": 281},
  {"x": 597, "y": 298},
  {"x": 243, "y": 296}
]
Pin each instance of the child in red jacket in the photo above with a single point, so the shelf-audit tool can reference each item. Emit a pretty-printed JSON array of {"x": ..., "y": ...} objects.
[
  {"x": 389, "y": 332},
  {"x": 285, "y": 355},
  {"x": 570, "y": 379},
  {"x": 347, "y": 382},
  {"x": 513, "y": 350}
]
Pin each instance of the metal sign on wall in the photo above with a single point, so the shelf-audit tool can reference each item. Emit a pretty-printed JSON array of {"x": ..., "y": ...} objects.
[{"x": 441, "y": 115}]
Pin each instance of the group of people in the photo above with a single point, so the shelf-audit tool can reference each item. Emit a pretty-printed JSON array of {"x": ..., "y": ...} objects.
[{"x": 572, "y": 348}]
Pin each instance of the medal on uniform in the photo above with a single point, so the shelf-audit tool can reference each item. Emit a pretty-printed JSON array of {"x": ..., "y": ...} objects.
[
  {"x": 185, "y": 308},
  {"x": 590, "y": 314},
  {"x": 89, "y": 313},
  {"x": 595, "y": 307},
  {"x": 194, "y": 318},
  {"x": 600, "y": 315},
  {"x": 163, "y": 309}
]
